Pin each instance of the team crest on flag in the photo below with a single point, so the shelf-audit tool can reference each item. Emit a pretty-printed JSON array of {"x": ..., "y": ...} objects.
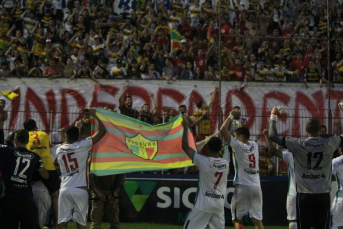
[{"x": 142, "y": 147}]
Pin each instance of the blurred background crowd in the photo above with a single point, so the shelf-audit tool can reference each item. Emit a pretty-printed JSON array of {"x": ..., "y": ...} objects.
[{"x": 240, "y": 40}]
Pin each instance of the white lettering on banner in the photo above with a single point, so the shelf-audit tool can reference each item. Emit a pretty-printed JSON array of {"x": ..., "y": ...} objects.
[
  {"x": 185, "y": 197},
  {"x": 62, "y": 100},
  {"x": 167, "y": 200}
]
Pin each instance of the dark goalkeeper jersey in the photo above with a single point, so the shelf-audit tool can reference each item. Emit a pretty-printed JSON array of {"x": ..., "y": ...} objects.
[{"x": 17, "y": 167}]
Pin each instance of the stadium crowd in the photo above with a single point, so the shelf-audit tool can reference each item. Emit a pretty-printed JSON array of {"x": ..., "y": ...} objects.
[{"x": 283, "y": 40}]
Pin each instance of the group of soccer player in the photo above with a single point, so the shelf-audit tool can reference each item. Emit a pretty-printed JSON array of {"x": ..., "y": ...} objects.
[
  {"x": 28, "y": 151},
  {"x": 311, "y": 166}
]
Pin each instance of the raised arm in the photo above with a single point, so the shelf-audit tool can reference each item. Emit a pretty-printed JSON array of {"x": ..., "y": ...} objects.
[
  {"x": 272, "y": 132},
  {"x": 225, "y": 128},
  {"x": 122, "y": 95},
  {"x": 272, "y": 149},
  {"x": 210, "y": 101},
  {"x": 101, "y": 128},
  {"x": 185, "y": 146}
]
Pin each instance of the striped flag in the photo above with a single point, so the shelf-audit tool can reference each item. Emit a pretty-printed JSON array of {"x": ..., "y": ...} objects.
[
  {"x": 8, "y": 94},
  {"x": 133, "y": 146},
  {"x": 209, "y": 34},
  {"x": 175, "y": 38}
]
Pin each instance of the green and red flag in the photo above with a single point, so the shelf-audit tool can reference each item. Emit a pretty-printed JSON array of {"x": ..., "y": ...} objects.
[
  {"x": 175, "y": 38},
  {"x": 209, "y": 34},
  {"x": 133, "y": 146}
]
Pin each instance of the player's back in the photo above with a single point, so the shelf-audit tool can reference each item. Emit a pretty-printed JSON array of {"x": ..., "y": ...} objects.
[
  {"x": 39, "y": 142},
  {"x": 337, "y": 170},
  {"x": 73, "y": 161},
  {"x": 245, "y": 160},
  {"x": 18, "y": 166},
  {"x": 312, "y": 162},
  {"x": 212, "y": 183}
]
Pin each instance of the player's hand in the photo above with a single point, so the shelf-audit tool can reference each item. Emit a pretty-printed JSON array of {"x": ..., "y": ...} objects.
[
  {"x": 340, "y": 105},
  {"x": 265, "y": 132},
  {"x": 278, "y": 110},
  {"x": 235, "y": 113},
  {"x": 92, "y": 111},
  {"x": 185, "y": 123},
  {"x": 101, "y": 196}
]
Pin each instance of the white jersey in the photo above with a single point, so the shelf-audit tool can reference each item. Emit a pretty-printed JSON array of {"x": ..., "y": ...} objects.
[
  {"x": 73, "y": 162},
  {"x": 212, "y": 183},
  {"x": 288, "y": 158},
  {"x": 337, "y": 170},
  {"x": 245, "y": 160}
]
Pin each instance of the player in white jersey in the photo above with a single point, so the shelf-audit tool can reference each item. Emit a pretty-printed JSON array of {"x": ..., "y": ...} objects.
[
  {"x": 337, "y": 204},
  {"x": 247, "y": 196},
  {"x": 73, "y": 160},
  {"x": 312, "y": 168},
  {"x": 291, "y": 193},
  {"x": 211, "y": 194}
]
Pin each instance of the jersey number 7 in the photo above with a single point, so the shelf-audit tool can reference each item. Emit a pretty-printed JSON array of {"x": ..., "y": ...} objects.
[{"x": 219, "y": 175}]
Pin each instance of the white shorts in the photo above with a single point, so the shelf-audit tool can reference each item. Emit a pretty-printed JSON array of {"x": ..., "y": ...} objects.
[
  {"x": 197, "y": 219},
  {"x": 336, "y": 212},
  {"x": 42, "y": 200},
  {"x": 291, "y": 207},
  {"x": 246, "y": 200},
  {"x": 73, "y": 204}
]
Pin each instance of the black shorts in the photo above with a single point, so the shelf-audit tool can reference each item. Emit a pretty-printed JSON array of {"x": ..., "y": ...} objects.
[
  {"x": 313, "y": 210},
  {"x": 23, "y": 211},
  {"x": 2, "y": 137},
  {"x": 53, "y": 182}
]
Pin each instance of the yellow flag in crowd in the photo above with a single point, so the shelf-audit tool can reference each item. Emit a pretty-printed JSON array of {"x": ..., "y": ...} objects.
[{"x": 10, "y": 95}]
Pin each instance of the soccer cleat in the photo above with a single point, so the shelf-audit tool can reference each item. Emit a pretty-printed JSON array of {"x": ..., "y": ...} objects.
[{"x": 340, "y": 105}]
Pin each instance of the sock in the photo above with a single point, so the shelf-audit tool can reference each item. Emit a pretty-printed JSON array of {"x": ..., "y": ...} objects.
[{"x": 292, "y": 225}]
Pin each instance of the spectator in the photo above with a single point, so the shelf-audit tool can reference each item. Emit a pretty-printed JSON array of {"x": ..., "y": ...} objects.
[
  {"x": 126, "y": 106},
  {"x": 170, "y": 72},
  {"x": 105, "y": 194},
  {"x": 4, "y": 71},
  {"x": 198, "y": 74},
  {"x": 265, "y": 164},
  {"x": 118, "y": 71},
  {"x": 53, "y": 71},
  {"x": 145, "y": 115},
  {"x": 188, "y": 72},
  {"x": 202, "y": 117},
  {"x": 152, "y": 74},
  {"x": 84, "y": 125},
  {"x": 100, "y": 71}
]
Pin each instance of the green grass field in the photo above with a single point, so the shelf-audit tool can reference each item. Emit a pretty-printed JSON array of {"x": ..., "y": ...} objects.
[{"x": 160, "y": 226}]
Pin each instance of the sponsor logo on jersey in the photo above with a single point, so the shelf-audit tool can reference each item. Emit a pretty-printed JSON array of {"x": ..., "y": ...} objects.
[
  {"x": 24, "y": 155},
  {"x": 139, "y": 192},
  {"x": 249, "y": 149},
  {"x": 17, "y": 179},
  {"x": 315, "y": 146},
  {"x": 218, "y": 165},
  {"x": 250, "y": 171},
  {"x": 142, "y": 146},
  {"x": 313, "y": 176},
  {"x": 37, "y": 147},
  {"x": 213, "y": 195}
]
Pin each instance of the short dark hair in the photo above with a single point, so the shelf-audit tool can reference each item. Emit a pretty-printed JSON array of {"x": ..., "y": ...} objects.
[
  {"x": 9, "y": 139},
  {"x": 30, "y": 124},
  {"x": 243, "y": 131},
  {"x": 72, "y": 133},
  {"x": 199, "y": 103},
  {"x": 128, "y": 96},
  {"x": 313, "y": 126},
  {"x": 236, "y": 107},
  {"x": 214, "y": 144},
  {"x": 22, "y": 136},
  {"x": 182, "y": 106},
  {"x": 3, "y": 101}
]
